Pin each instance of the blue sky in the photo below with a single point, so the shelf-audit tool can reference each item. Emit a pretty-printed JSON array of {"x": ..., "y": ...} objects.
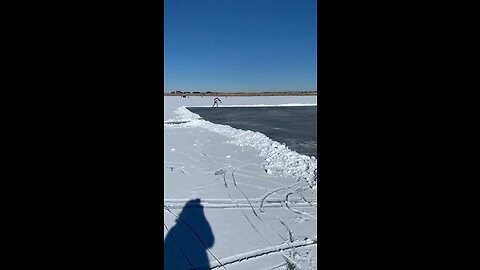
[{"x": 240, "y": 45}]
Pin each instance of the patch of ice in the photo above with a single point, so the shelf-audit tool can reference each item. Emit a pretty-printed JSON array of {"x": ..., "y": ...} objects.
[{"x": 279, "y": 159}]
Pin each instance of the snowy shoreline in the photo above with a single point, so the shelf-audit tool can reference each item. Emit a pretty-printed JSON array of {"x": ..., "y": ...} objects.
[
  {"x": 258, "y": 197},
  {"x": 279, "y": 159}
]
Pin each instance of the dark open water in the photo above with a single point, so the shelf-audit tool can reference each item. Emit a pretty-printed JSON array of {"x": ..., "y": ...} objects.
[{"x": 296, "y": 127}]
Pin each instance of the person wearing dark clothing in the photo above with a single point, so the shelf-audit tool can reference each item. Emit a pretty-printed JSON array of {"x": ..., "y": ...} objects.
[
  {"x": 186, "y": 244},
  {"x": 215, "y": 101}
]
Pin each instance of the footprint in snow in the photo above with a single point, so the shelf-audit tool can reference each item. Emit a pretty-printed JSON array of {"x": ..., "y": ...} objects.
[
  {"x": 220, "y": 172},
  {"x": 299, "y": 219}
]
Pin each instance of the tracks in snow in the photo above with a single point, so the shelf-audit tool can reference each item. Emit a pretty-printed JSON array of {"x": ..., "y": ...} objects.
[
  {"x": 261, "y": 252},
  {"x": 289, "y": 243},
  {"x": 241, "y": 203}
]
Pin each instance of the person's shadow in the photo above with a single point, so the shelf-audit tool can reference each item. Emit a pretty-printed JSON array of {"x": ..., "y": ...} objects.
[{"x": 185, "y": 246}]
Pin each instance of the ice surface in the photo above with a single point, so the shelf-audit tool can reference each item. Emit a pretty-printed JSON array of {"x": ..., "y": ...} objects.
[{"x": 257, "y": 196}]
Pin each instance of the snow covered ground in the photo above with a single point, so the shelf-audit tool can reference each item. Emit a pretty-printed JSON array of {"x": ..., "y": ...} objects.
[{"x": 235, "y": 199}]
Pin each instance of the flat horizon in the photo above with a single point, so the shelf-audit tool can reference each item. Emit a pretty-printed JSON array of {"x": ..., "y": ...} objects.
[
  {"x": 240, "y": 91},
  {"x": 240, "y": 94}
]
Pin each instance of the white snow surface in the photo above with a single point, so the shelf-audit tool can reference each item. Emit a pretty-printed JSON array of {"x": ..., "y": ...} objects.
[
  {"x": 262, "y": 105},
  {"x": 258, "y": 196}
]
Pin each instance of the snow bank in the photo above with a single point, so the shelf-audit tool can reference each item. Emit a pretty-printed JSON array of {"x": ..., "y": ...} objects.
[{"x": 279, "y": 159}]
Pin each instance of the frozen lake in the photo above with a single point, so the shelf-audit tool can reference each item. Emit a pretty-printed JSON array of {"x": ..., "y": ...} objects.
[
  {"x": 236, "y": 199},
  {"x": 296, "y": 126}
]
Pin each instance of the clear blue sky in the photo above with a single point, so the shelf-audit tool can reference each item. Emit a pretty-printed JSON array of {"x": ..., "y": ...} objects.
[{"x": 240, "y": 45}]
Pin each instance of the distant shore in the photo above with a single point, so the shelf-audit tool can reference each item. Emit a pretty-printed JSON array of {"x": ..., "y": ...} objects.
[{"x": 243, "y": 94}]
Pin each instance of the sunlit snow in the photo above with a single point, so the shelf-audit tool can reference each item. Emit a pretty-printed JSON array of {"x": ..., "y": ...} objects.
[{"x": 235, "y": 199}]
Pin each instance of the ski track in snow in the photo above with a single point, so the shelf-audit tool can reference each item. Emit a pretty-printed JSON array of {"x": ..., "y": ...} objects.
[
  {"x": 241, "y": 203},
  {"x": 272, "y": 247},
  {"x": 279, "y": 161},
  {"x": 262, "y": 252}
]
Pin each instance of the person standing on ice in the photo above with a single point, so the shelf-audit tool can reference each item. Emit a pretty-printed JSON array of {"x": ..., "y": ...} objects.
[{"x": 215, "y": 102}]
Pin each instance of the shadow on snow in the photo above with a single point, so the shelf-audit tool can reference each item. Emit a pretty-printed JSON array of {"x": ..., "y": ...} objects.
[{"x": 186, "y": 244}]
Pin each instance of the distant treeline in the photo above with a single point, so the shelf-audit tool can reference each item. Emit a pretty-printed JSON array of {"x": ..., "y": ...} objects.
[{"x": 211, "y": 93}]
